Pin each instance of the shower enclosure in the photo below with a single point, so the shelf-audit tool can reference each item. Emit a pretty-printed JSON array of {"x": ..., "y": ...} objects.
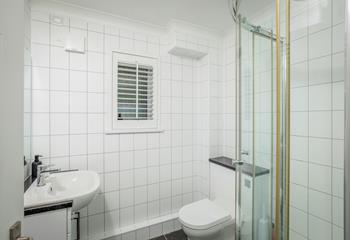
[{"x": 262, "y": 123}]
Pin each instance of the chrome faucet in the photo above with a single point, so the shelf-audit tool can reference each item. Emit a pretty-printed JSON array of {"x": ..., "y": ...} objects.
[{"x": 44, "y": 172}]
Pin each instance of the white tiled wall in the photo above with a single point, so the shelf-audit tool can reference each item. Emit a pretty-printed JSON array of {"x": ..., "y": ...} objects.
[
  {"x": 143, "y": 176},
  {"x": 317, "y": 142}
]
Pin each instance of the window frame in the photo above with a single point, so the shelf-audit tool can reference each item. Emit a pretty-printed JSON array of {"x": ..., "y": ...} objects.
[{"x": 133, "y": 126}]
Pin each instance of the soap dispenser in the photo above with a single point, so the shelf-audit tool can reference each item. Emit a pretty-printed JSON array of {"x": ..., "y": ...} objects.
[{"x": 35, "y": 165}]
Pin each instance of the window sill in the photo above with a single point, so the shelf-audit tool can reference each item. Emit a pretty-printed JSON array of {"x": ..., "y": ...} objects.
[{"x": 131, "y": 131}]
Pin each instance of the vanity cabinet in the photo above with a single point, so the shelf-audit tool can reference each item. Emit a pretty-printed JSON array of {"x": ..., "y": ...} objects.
[{"x": 53, "y": 224}]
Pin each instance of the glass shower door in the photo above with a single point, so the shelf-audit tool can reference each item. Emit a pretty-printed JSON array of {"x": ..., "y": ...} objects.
[{"x": 256, "y": 135}]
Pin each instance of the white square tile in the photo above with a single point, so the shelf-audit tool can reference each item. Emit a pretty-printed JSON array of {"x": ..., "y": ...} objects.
[
  {"x": 58, "y": 35},
  {"x": 78, "y": 61},
  {"x": 78, "y": 123},
  {"x": 165, "y": 173},
  {"x": 338, "y": 69},
  {"x": 40, "y": 101},
  {"x": 140, "y": 158},
  {"x": 41, "y": 145},
  {"x": 95, "y": 162},
  {"x": 111, "y": 220},
  {"x": 126, "y": 198},
  {"x": 153, "y": 157},
  {"x": 156, "y": 230},
  {"x": 299, "y": 148},
  {"x": 338, "y": 183},
  {"x": 59, "y": 145},
  {"x": 140, "y": 176},
  {"x": 338, "y": 96},
  {"x": 77, "y": 81},
  {"x": 40, "y": 55},
  {"x": 165, "y": 206},
  {"x": 59, "y": 102},
  {"x": 140, "y": 195},
  {"x": 320, "y": 70},
  {"x": 126, "y": 216},
  {"x": 319, "y": 229},
  {"x": 111, "y": 200},
  {"x": 95, "y": 123},
  {"x": 299, "y": 172},
  {"x": 320, "y": 124},
  {"x": 126, "y": 142},
  {"x": 338, "y": 233},
  {"x": 95, "y": 62},
  {"x": 78, "y": 144},
  {"x": 320, "y": 178},
  {"x": 320, "y": 15},
  {"x": 95, "y": 82},
  {"x": 59, "y": 79},
  {"x": 320, "y": 151},
  {"x": 153, "y": 192},
  {"x": 320, "y": 44},
  {"x": 176, "y": 170},
  {"x": 338, "y": 211},
  {"x": 338, "y": 11},
  {"x": 126, "y": 160},
  {"x": 298, "y": 221},
  {"x": 187, "y": 185},
  {"x": 95, "y": 42},
  {"x": 152, "y": 140},
  {"x": 299, "y": 71},
  {"x": 40, "y": 124},
  {"x": 140, "y": 141},
  {"x": 111, "y": 181},
  {"x": 40, "y": 32},
  {"x": 338, "y": 124},
  {"x": 97, "y": 205},
  {"x": 338, "y": 38},
  {"x": 141, "y": 216},
  {"x": 95, "y": 103},
  {"x": 59, "y": 123},
  {"x": 301, "y": 54},
  {"x": 58, "y": 58},
  {"x": 299, "y": 197},
  {"x": 78, "y": 102},
  {"x": 153, "y": 175},
  {"x": 126, "y": 179},
  {"x": 111, "y": 143},
  {"x": 338, "y": 153},
  {"x": 320, "y": 205},
  {"x": 299, "y": 123},
  {"x": 95, "y": 143},
  {"x": 78, "y": 162},
  {"x": 96, "y": 224},
  {"x": 111, "y": 162},
  {"x": 299, "y": 99},
  {"x": 40, "y": 78}
]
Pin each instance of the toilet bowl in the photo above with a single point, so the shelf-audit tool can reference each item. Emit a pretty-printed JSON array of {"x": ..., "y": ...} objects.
[{"x": 204, "y": 220}]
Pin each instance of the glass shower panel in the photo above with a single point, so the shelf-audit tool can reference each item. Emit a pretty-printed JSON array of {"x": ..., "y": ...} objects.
[{"x": 257, "y": 139}]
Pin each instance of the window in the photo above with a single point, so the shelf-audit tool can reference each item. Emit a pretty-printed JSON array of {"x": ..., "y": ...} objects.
[{"x": 134, "y": 93}]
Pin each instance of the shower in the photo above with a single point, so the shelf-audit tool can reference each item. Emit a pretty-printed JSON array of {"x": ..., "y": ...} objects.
[{"x": 262, "y": 126}]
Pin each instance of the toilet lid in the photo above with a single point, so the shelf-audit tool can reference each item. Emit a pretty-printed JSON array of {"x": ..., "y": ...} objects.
[{"x": 203, "y": 214}]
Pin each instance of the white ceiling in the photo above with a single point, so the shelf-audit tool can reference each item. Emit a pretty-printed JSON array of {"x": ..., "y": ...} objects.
[{"x": 209, "y": 13}]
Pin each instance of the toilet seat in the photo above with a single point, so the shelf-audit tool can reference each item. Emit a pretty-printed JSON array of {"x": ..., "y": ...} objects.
[{"x": 203, "y": 214}]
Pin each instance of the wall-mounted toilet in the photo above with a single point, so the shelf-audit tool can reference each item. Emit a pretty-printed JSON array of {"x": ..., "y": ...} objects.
[{"x": 212, "y": 219}]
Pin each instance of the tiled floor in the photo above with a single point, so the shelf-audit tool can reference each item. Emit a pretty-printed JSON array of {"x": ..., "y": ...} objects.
[{"x": 178, "y": 235}]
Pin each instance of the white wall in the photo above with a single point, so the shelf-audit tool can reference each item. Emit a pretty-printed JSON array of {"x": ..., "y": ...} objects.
[
  {"x": 144, "y": 176},
  {"x": 11, "y": 108},
  {"x": 317, "y": 142}
]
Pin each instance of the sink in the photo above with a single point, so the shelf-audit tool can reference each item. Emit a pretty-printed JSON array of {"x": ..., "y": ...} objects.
[{"x": 78, "y": 186}]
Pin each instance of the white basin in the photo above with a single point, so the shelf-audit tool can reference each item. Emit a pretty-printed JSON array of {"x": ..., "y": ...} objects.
[{"x": 77, "y": 186}]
